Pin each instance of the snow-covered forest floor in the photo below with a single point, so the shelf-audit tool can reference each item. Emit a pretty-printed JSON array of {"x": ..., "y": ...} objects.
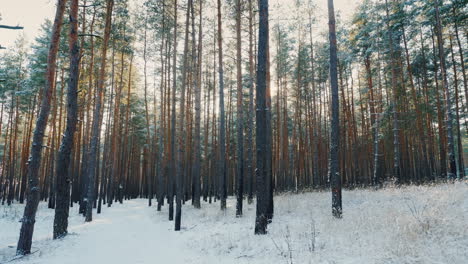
[{"x": 414, "y": 224}]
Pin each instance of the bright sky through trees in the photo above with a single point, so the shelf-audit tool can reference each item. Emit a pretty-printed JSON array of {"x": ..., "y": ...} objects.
[{"x": 32, "y": 13}]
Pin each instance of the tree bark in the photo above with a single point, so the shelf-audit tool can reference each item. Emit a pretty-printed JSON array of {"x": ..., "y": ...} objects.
[
  {"x": 63, "y": 159},
  {"x": 452, "y": 172},
  {"x": 181, "y": 129},
  {"x": 97, "y": 116},
  {"x": 394, "y": 104},
  {"x": 148, "y": 135},
  {"x": 461, "y": 170},
  {"x": 240, "y": 114},
  {"x": 250, "y": 115},
  {"x": 172, "y": 181},
  {"x": 29, "y": 216},
  {"x": 263, "y": 128},
  {"x": 334, "y": 173},
  {"x": 222, "y": 119},
  {"x": 197, "y": 87}
]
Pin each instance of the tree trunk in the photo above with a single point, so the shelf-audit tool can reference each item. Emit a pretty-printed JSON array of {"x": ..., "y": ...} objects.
[
  {"x": 334, "y": 173},
  {"x": 181, "y": 129},
  {"x": 461, "y": 170},
  {"x": 173, "y": 122},
  {"x": 97, "y": 116},
  {"x": 29, "y": 216},
  {"x": 263, "y": 128},
  {"x": 222, "y": 120},
  {"x": 250, "y": 115},
  {"x": 63, "y": 159},
  {"x": 452, "y": 173},
  {"x": 394, "y": 105},
  {"x": 161, "y": 157},
  {"x": 197, "y": 87},
  {"x": 462, "y": 60},
  {"x": 240, "y": 114},
  {"x": 147, "y": 169}
]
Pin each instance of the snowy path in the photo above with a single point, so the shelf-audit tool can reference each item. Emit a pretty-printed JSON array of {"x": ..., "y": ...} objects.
[
  {"x": 127, "y": 233},
  {"x": 416, "y": 224}
]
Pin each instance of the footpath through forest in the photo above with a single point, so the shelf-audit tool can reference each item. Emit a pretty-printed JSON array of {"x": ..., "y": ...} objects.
[{"x": 127, "y": 233}]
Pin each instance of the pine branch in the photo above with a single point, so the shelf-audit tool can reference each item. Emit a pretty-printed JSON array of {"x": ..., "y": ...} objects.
[
  {"x": 92, "y": 5},
  {"x": 90, "y": 35},
  {"x": 11, "y": 27}
]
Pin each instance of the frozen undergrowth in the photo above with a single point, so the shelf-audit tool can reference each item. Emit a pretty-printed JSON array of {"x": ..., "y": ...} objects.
[{"x": 413, "y": 224}]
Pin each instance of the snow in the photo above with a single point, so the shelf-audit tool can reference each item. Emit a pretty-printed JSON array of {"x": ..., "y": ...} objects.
[{"x": 413, "y": 224}]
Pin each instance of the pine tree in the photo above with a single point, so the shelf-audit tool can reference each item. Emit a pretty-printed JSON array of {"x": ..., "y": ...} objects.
[
  {"x": 97, "y": 115},
  {"x": 240, "y": 114},
  {"x": 28, "y": 220},
  {"x": 222, "y": 118},
  {"x": 334, "y": 170},
  {"x": 263, "y": 128},
  {"x": 63, "y": 159}
]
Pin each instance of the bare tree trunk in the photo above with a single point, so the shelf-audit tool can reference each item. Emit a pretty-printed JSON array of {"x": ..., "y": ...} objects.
[
  {"x": 25, "y": 152},
  {"x": 116, "y": 139},
  {"x": 148, "y": 135},
  {"x": 440, "y": 114},
  {"x": 197, "y": 87},
  {"x": 461, "y": 170},
  {"x": 29, "y": 216},
  {"x": 12, "y": 147},
  {"x": 462, "y": 60},
  {"x": 63, "y": 158},
  {"x": 250, "y": 115},
  {"x": 452, "y": 173},
  {"x": 263, "y": 121},
  {"x": 173, "y": 121},
  {"x": 161, "y": 156},
  {"x": 222, "y": 119},
  {"x": 396, "y": 134},
  {"x": 334, "y": 173},
  {"x": 97, "y": 116},
  {"x": 240, "y": 114},
  {"x": 181, "y": 124}
]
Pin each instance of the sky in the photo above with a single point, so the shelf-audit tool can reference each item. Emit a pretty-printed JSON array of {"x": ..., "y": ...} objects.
[
  {"x": 27, "y": 13},
  {"x": 32, "y": 13}
]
